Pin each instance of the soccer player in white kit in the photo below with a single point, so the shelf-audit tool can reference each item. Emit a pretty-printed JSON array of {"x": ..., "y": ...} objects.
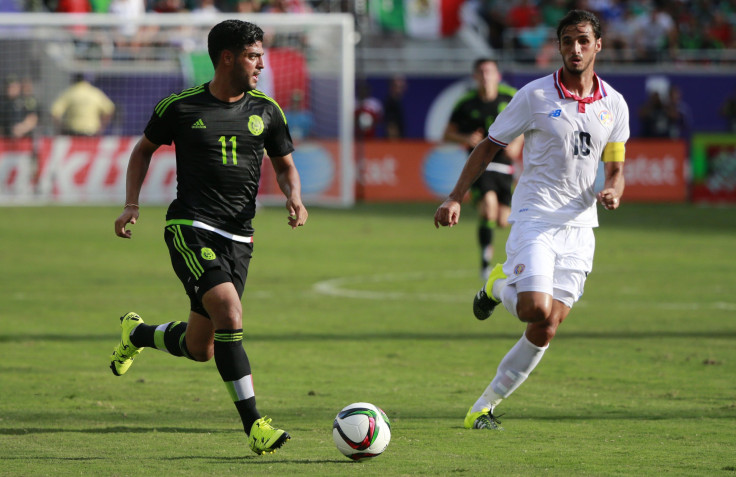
[{"x": 570, "y": 120}]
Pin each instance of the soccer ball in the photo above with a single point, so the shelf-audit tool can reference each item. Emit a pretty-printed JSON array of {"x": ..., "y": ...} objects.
[{"x": 361, "y": 431}]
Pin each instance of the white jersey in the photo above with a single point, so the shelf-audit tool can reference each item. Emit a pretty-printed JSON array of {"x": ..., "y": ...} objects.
[{"x": 563, "y": 145}]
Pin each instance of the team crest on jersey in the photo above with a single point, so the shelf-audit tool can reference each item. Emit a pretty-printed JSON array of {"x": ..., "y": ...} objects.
[
  {"x": 208, "y": 254},
  {"x": 605, "y": 117},
  {"x": 255, "y": 125},
  {"x": 519, "y": 269}
]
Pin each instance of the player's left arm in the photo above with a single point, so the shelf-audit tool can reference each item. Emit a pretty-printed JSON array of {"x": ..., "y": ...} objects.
[
  {"x": 613, "y": 187},
  {"x": 288, "y": 179}
]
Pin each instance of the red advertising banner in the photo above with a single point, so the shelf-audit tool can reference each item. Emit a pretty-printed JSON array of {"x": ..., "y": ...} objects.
[
  {"x": 655, "y": 170},
  {"x": 78, "y": 170}
]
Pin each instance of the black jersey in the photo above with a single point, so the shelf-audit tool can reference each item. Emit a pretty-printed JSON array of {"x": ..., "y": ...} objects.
[
  {"x": 471, "y": 113},
  {"x": 219, "y": 150}
]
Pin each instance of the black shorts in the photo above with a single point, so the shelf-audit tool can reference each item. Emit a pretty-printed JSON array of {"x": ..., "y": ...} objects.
[
  {"x": 204, "y": 259},
  {"x": 498, "y": 182}
]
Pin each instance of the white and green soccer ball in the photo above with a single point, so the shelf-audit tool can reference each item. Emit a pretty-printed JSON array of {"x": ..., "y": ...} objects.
[{"x": 361, "y": 431}]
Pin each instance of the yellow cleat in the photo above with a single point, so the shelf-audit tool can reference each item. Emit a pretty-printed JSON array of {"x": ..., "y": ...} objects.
[
  {"x": 264, "y": 438},
  {"x": 124, "y": 353},
  {"x": 483, "y": 419},
  {"x": 484, "y": 303}
]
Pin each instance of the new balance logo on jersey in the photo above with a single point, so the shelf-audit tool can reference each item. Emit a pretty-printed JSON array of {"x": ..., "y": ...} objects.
[
  {"x": 199, "y": 124},
  {"x": 555, "y": 114}
]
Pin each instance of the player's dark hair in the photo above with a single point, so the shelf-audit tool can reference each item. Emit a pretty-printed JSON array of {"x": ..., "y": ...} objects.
[
  {"x": 232, "y": 35},
  {"x": 480, "y": 61},
  {"x": 575, "y": 17}
]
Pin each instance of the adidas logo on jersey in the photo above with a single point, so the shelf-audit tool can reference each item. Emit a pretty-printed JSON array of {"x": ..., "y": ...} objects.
[{"x": 199, "y": 124}]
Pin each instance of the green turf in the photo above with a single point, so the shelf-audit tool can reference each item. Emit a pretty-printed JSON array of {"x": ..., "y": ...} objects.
[{"x": 370, "y": 304}]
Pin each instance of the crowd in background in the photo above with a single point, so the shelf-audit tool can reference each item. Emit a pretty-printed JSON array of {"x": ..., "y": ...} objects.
[
  {"x": 645, "y": 30},
  {"x": 640, "y": 31},
  {"x": 202, "y": 7}
]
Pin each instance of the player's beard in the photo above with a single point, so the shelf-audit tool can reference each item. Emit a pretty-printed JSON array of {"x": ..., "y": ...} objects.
[
  {"x": 245, "y": 81},
  {"x": 580, "y": 68}
]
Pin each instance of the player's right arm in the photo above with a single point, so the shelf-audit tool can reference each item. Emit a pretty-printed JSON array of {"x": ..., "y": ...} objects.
[
  {"x": 138, "y": 164},
  {"x": 448, "y": 213}
]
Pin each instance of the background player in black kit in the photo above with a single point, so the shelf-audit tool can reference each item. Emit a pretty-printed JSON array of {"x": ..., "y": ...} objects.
[
  {"x": 472, "y": 115},
  {"x": 220, "y": 130}
]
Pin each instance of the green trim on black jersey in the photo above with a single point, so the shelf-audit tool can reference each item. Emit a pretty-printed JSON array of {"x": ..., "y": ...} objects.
[
  {"x": 258, "y": 94},
  {"x": 468, "y": 95},
  {"x": 503, "y": 88},
  {"x": 166, "y": 102}
]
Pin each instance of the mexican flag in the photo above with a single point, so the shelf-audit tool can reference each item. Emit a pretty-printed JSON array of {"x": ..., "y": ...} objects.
[{"x": 417, "y": 18}]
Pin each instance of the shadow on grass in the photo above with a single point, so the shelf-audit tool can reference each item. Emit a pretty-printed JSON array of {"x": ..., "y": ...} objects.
[
  {"x": 257, "y": 459},
  {"x": 252, "y": 459},
  {"x": 112, "y": 430},
  {"x": 413, "y": 336},
  {"x": 68, "y": 459}
]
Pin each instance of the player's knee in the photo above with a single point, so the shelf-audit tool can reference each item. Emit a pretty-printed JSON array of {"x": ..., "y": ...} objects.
[
  {"x": 541, "y": 333},
  {"x": 532, "y": 311},
  {"x": 202, "y": 353}
]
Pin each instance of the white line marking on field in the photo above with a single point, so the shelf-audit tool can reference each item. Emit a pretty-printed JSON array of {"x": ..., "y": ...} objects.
[{"x": 341, "y": 287}]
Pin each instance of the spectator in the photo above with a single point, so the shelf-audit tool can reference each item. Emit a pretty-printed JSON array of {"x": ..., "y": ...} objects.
[
  {"x": 82, "y": 109},
  {"x": 206, "y": 8},
  {"x": 495, "y": 14},
  {"x": 553, "y": 11},
  {"x": 287, "y": 6},
  {"x": 393, "y": 108},
  {"x": 678, "y": 113},
  {"x": 720, "y": 31},
  {"x": 18, "y": 108},
  {"x": 168, "y": 6},
  {"x": 532, "y": 38},
  {"x": 728, "y": 111},
  {"x": 664, "y": 114},
  {"x": 69, "y": 6},
  {"x": 521, "y": 14},
  {"x": 248, "y": 6},
  {"x": 622, "y": 32},
  {"x": 654, "y": 116},
  {"x": 656, "y": 32},
  {"x": 368, "y": 113}
]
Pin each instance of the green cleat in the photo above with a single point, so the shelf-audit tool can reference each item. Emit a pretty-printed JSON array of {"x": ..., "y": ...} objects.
[
  {"x": 124, "y": 353},
  {"x": 265, "y": 438},
  {"x": 483, "y": 419},
  {"x": 484, "y": 303}
]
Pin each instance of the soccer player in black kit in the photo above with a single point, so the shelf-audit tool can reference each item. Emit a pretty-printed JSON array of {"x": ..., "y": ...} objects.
[
  {"x": 220, "y": 130},
  {"x": 471, "y": 116}
]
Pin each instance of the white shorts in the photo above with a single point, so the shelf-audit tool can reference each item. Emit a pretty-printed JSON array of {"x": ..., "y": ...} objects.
[{"x": 560, "y": 256}]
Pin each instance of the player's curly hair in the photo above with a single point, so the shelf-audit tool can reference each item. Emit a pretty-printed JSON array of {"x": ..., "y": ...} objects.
[
  {"x": 575, "y": 17},
  {"x": 233, "y": 35}
]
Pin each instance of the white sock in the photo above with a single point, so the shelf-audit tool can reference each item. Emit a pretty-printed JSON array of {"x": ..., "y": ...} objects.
[
  {"x": 509, "y": 298},
  {"x": 513, "y": 370},
  {"x": 496, "y": 289}
]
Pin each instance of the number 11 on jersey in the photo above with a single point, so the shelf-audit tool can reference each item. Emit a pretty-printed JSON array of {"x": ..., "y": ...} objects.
[{"x": 223, "y": 142}]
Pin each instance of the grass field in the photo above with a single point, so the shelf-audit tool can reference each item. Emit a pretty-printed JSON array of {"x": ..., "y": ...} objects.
[{"x": 370, "y": 304}]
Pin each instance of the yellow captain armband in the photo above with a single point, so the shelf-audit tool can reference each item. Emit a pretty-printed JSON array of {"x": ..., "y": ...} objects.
[{"x": 614, "y": 152}]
